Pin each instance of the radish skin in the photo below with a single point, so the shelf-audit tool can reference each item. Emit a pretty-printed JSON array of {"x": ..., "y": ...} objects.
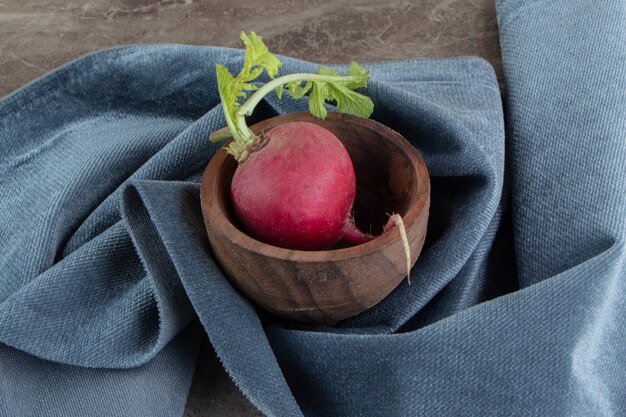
[{"x": 297, "y": 191}]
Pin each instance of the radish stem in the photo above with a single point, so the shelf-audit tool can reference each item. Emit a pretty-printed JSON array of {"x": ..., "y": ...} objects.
[
  {"x": 247, "y": 108},
  {"x": 249, "y": 139}
]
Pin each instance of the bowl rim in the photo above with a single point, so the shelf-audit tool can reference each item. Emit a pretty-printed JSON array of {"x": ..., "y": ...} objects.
[{"x": 240, "y": 238}]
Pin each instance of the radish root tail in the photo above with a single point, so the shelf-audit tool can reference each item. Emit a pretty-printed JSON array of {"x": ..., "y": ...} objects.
[{"x": 396, "y": 220}]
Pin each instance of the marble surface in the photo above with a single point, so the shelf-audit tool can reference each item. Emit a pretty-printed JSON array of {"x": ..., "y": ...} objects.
[{"x": 37, "y": 36}]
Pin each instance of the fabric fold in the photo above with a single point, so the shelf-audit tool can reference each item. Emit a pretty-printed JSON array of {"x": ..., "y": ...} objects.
[
  {"x": 515, "y": 307},
  {"x": 229, "y": 319}
]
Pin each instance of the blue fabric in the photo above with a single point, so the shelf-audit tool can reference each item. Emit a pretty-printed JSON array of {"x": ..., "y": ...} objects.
[{"x": 517, "y": 304}]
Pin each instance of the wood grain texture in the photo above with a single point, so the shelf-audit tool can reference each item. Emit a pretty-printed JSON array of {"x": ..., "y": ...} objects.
[{"x": 328, "y": 285}]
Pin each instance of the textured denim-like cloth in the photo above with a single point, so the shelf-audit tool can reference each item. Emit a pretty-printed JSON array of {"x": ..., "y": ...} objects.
[{"x": 517, "y": 304}]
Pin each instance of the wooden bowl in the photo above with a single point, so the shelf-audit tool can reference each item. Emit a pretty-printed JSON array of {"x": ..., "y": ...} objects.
[{"x": 327, "y": 285}]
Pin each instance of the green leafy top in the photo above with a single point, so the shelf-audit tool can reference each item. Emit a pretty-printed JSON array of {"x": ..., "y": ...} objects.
[{"x": 324, "y": 85}]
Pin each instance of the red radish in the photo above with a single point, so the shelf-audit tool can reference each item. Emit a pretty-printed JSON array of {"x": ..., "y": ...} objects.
[
  {"x": 297, "y": 191},
  {"x": 294, "y": 187}
]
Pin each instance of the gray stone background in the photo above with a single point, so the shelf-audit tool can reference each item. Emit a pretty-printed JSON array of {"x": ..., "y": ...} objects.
[{"x": 38, "y": 36}]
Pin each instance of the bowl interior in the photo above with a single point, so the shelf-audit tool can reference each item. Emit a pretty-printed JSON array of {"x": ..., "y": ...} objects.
[{"x": 385, "y": 176}]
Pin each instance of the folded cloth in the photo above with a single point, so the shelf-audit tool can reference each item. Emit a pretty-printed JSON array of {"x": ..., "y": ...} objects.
[{"x": 516, "y": 305}]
